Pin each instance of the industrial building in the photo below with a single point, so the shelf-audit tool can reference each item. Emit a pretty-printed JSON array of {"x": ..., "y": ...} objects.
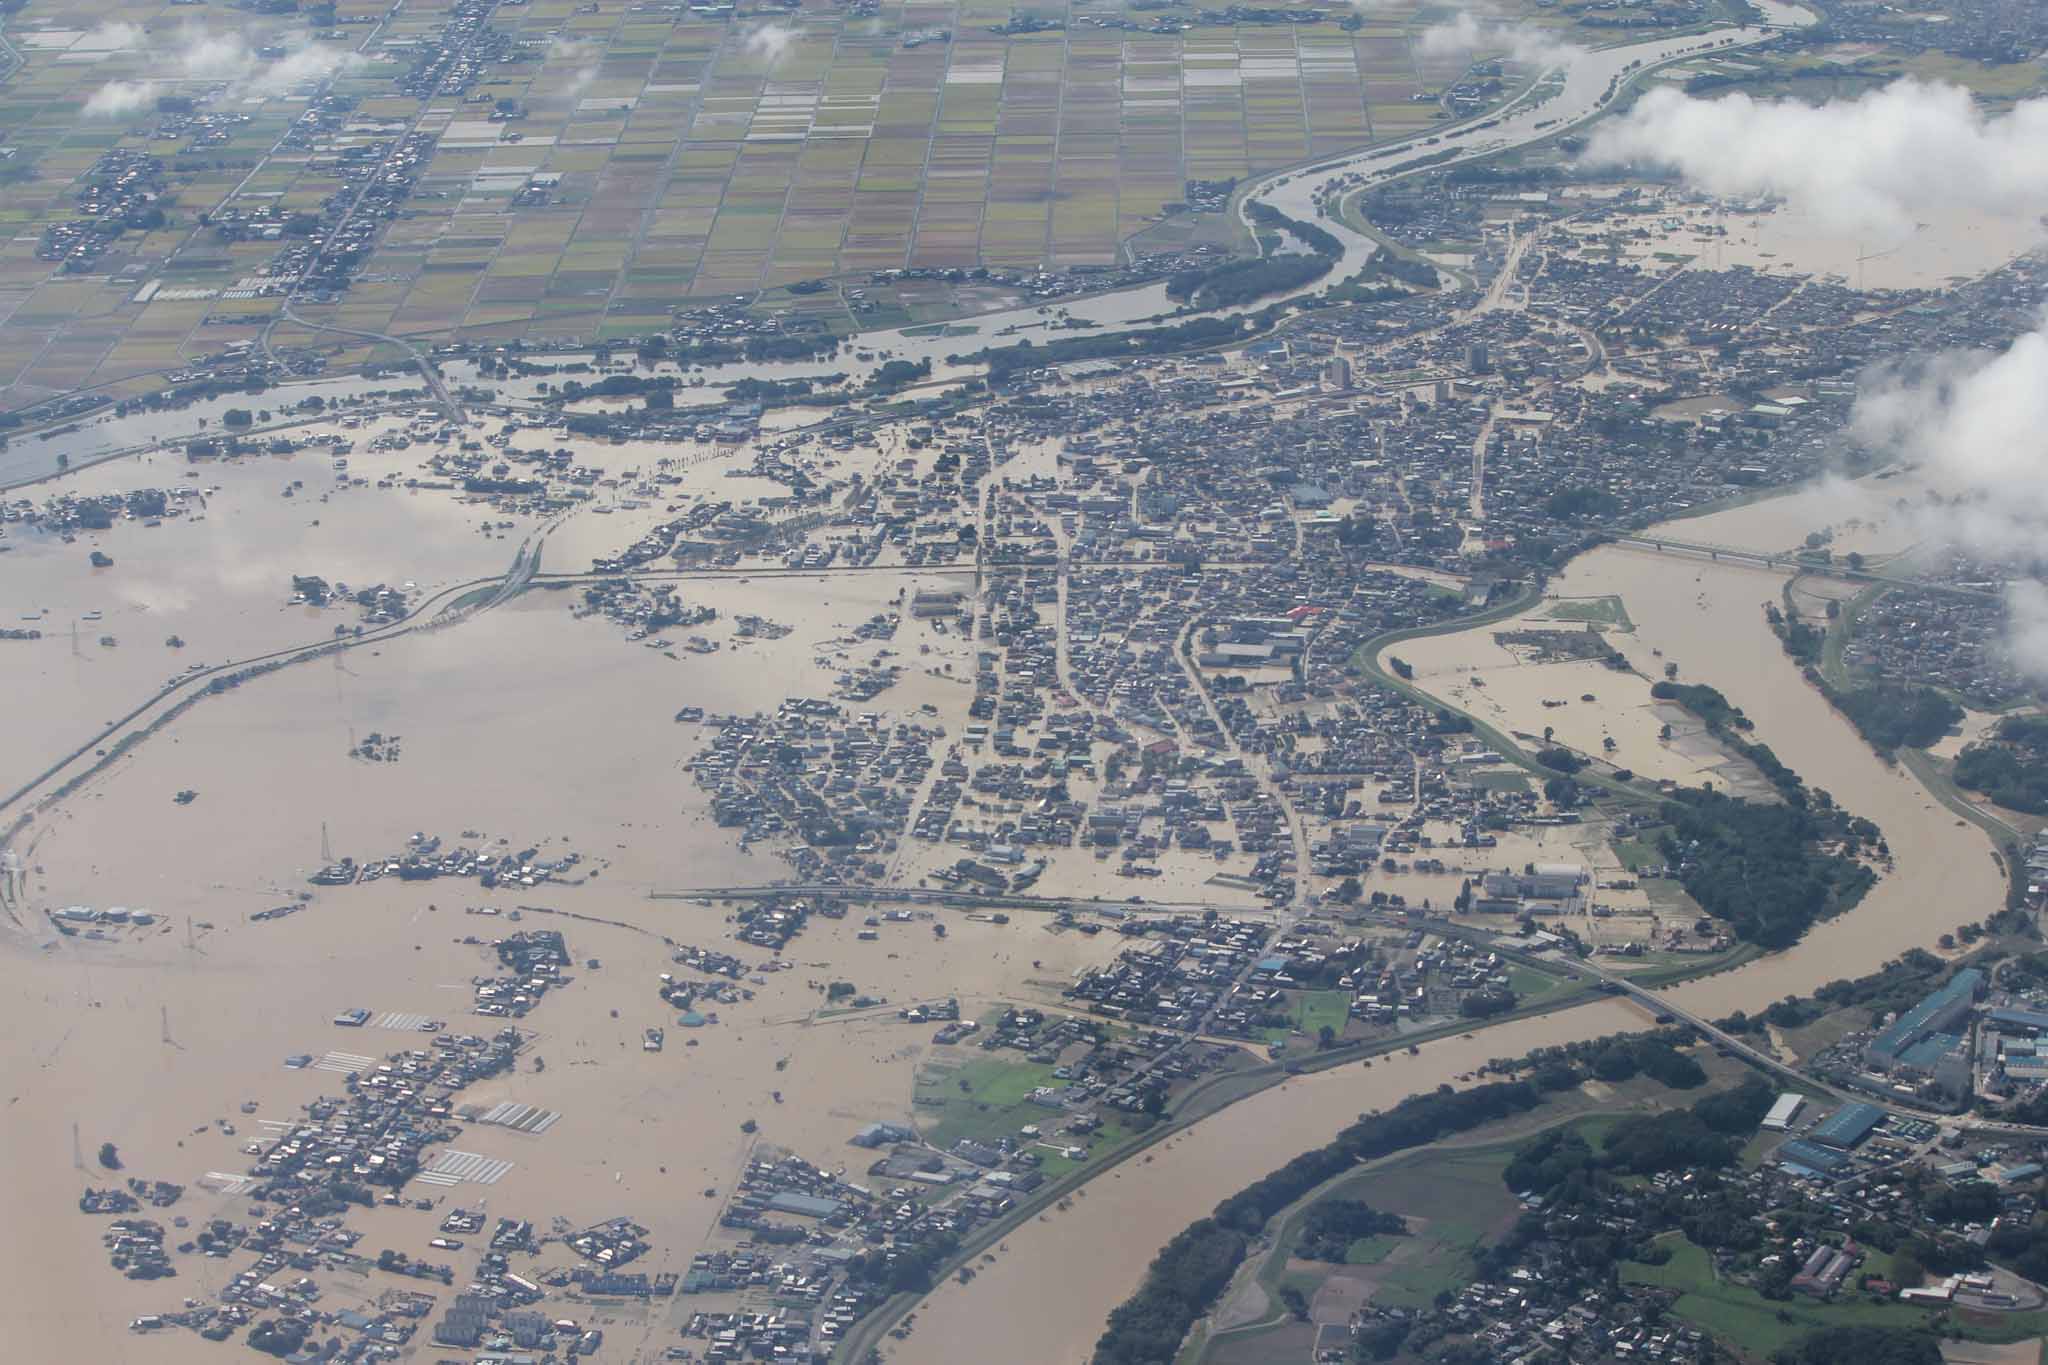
[
  {"x": 1810, "y": 1158},
  {"x": 1941, "y": 1011},
  {"x": 1847, "y": 1126},
  {"x": 2007, "y": 1019},
  {"x": 1785, "y": 1112},
  {"x": 1943, "y": 1059}
]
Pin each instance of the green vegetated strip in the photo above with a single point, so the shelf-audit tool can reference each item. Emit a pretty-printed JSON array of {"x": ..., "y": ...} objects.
[
  {"x": 1205, "y": 1097},
  {"x": 2010, "y": 767},
  {"x": 1367, "y": 658},
  {"x": 1890, "y": 715},
  {"x": 1185, "y": 1279},
  {"x": 1003, "y": 361},
  {"x": 1193, "y": 1269},
  {"x": 1901, "y": 721},
  {"x": 1761, "y": 867},
  {"x": 1231, "y": 284},
  {"x": 1742, "y": 1316},
  {"x": 1727, "y": 724},
  {"x": 1235, "y": 283}
]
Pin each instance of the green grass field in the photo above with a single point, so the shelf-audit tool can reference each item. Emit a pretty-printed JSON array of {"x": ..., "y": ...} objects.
[
  {"x": 1370, "y": 1250},
  {"x": 1640, "y": 849},
  {"x": 1313, "y": 1011},
  {"x": 985, "y": 1099},
  {"x": 1455, "y": 1202},
  {"x": 1746, "y": 1318},
  {"x": 1531, "y": 985},
  {"x": 1504, "y": 780},
  {"x": 1599, "y": 611}
]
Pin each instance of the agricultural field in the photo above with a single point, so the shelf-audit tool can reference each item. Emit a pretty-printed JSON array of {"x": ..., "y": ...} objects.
[
  {"x": 1846, "y": 70},
  {"x": 578, "y": 172}
]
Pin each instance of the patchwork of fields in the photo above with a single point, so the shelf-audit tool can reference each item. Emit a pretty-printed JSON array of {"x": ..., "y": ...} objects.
[{"x": 618, "y": 160}]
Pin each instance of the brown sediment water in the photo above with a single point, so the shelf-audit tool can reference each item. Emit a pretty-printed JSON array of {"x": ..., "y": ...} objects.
[
  {"x": 1054, "y": 1280},
  {"x": 1051, "y": 1287}
]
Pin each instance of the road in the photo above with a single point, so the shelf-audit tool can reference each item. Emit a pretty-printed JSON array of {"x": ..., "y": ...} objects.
[
  {"x": 1771, "y": 1064},
  {"x": 1610, "y": 982},
  {"x": 422, "y": 362},
  {"x": 919, "y": 895},
  {"x": 187, "y": 689},
  {"x": 425, "y": 366},
  {"x": 1790, "y": 563}
]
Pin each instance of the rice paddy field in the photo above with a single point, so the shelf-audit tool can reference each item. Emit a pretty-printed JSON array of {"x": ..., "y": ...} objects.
[{"x": 620, "y": 160}]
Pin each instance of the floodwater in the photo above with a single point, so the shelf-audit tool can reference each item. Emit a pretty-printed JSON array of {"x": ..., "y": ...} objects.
[
  {"x": 1055, "y": 1280},
  {"x": 99, "y": 435},
  {"x": 142, "y": 1044},
  {"x": 1949, "y": 244},
  {"x": 1706, "y": 617},
  {"x": 218, "y": 578},
  {"x": 525, "y": 726}
]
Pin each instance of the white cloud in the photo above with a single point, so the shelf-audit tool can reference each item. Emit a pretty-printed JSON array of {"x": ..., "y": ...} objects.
[
  {"x": 771, "y": 41},
  {"x": 204, "y": 56},
  {"x": 297, "y": 68},
  {"x": 1975, "y": 423},
  {"x": 1879, "y": 161},
  {"x": 119, "y": 99},
  {"x": 586, "y": 56},
  {"x": 112, "y": 37},
  {"x": 2026, "y": 626},
  {"x": 195, "y": 54},
  {"x": 1468, "y": 34}
]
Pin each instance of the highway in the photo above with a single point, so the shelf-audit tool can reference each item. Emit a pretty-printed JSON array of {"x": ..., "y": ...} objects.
[
  {"x": 1772, "y": 1065},
  {"x": 963, "y": 900},
  {"x": 1786, "y": 563},
  {"x": 193, "y": 686},
  {"x": 1611, "y": 983},
  {"x": 424, "y": 364}
]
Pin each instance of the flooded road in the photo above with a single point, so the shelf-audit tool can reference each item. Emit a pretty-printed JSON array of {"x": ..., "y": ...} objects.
[
  {"x": 1581, "y": 91},
  {"x": 1707, "y": 618},
  {"x": 103, "y": 434}
]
